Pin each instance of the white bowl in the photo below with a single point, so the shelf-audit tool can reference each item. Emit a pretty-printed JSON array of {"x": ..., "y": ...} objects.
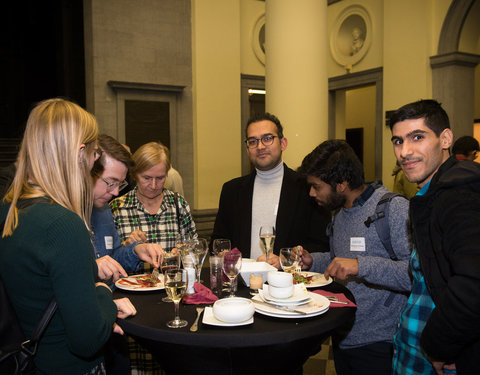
[
  {"x": 282, "y": 292},
  {"x": 257, "y": 268},
  {"x": 280, "y": 279},
  {"x": 233, "y": 309}
]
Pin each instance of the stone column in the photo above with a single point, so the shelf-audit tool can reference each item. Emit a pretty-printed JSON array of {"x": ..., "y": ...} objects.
[
  {"x": 453, "y": 85},
  {"x": 296, "y": 77}
]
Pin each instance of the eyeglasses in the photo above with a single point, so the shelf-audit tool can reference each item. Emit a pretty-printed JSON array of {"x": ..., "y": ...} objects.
[
  {"x": 113, "y": 185},
  {"x": 267, "y": 140}
]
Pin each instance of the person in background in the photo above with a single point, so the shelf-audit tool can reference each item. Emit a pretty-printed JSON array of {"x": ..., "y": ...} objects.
[
  {"x": 113, "y": 258},
  {"x": 174, "y": 181},
  {"x": 439, "y": 328},
  {"x": 465, "y": 148},
  {"x": 378, "y": 280},
  {"x": 272, "y": 194},
  {"x": 401, "y": 185},
  {"x": 45, "y": 247}
]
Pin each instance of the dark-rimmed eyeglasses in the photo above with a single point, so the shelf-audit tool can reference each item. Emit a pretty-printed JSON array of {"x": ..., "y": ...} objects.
[
  {"x": 113, "y": 185},
  {"x": 267, "y": 140}
]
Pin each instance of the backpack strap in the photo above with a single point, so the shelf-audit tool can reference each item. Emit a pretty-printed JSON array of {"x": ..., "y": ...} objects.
[{"x": 380, "y": 217}]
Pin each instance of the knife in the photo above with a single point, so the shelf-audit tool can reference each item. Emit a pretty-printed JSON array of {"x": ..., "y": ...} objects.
[{"x": 279, "y": 307}]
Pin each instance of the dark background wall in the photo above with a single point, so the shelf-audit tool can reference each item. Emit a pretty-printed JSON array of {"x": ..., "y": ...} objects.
[{"x": 41, "y": 56}]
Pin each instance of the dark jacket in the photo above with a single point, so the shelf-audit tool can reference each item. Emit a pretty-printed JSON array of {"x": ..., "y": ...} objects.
[
  {"x": 299, "y": 220},
  {"x": 446, "y": 233}
]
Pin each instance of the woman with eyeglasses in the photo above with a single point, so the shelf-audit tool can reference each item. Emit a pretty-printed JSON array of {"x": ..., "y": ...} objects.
[
  {"x": 45, "y": 247},
  {"x": 113, "y": 258}
]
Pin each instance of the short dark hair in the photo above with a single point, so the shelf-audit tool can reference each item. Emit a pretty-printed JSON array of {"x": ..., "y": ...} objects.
[
  {"x": 465, "y": 145},
  {"x": 111, "y": 147},
  {"x": 265, "y": 117},
  {"x": 430, "y": 110},
  {"x": 334, "y": 162}
]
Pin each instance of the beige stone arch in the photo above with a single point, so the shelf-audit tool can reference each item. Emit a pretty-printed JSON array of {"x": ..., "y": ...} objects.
[{"x": 453, "y": 71}]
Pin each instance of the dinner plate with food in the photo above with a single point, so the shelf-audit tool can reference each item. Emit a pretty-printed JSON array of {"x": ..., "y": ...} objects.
[
  {"x": 141, "y": 283},
  {"x": 311, "y": 279}
]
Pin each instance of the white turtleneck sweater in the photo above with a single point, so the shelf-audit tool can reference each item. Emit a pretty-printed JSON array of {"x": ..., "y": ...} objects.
[{"x": 266, "y": 195}]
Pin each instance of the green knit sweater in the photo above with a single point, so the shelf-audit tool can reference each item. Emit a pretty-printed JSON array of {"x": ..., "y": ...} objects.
[{"x": 50, "y": 254}]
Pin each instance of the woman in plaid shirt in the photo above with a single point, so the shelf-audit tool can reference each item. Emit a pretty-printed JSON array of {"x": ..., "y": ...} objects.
[{"x": 151, "y": 213}]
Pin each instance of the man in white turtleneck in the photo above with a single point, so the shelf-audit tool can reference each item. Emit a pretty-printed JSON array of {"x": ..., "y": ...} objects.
[{"x": 273, "y": 194}]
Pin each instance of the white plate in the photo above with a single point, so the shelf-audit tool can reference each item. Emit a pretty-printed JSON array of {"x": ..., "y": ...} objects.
[
  {"x": 321, "y": 281},
  {"x": 283, "y": 303},
  {"x": 209, "y": 318},
  {"x": 317, "y": 306},
  {"x": 256, "y": 268},
  {"x": 300, "y": 293},
  {"x": 138, "y": 288}
]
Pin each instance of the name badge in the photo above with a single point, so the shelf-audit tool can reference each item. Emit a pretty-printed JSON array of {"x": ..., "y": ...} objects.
[
  {"x": 357, "y": 243},
  {"x": 108, "y": 242}
]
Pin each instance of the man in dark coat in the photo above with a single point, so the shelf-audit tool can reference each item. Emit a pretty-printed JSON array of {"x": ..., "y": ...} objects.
[
  {"x": 439, "y": 330},
  {"x": 272, "y": 194}
]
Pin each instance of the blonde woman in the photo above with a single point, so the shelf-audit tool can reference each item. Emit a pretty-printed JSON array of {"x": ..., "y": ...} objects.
[{"x": 45, "y": 247}]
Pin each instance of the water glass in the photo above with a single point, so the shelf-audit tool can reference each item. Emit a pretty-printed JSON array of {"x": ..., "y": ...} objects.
[
  {"x": 289, "y": 259},
  {"x": 216, "y": 274}
]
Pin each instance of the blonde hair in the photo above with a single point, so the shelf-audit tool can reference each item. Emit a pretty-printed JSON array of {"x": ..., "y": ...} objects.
[
  {"x": 51, "y": 161},
  {"x": 149, "y": 155}
]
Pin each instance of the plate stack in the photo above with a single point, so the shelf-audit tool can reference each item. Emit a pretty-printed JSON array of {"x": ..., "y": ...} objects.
[{"x": 301, "y": 304}]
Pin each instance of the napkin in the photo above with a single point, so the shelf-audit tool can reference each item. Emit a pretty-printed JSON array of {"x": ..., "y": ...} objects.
[
  {"x": 340, "y": 296},
  {"x": 233, "y": 251},
  {"x": 202, "y": 295}
]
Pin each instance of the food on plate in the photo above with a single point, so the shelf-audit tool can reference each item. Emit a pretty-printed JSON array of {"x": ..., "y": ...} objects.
[
  {"x": 299, "y": 278},
  {"x": 145, "y": 280}
]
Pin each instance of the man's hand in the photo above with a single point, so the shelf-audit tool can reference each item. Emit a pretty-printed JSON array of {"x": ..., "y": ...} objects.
[
  {"x": 273, "y": 260},
  {"x": 305, "y": 260},
  {"x": 109, "y": 268},
  {"x": 151, "y": 253},
  {"x": 136, "y": 235},
  {"x": 439, "y": 366},
  {"x": 341, "y": 268}
]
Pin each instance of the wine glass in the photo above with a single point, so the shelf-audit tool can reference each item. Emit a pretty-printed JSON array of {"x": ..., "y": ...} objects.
[
  {"x": 289, "y": 259},
  {"x": 267, "y": 239},
  {"x": 175, "y": 284},
  {"x": 200, "y": 246},
  {"x": 171, "y": 260},
  {"x": 220, "y": 245},
  {"x": 232, "y": 262},
  {"x": 183, "y": 243}
]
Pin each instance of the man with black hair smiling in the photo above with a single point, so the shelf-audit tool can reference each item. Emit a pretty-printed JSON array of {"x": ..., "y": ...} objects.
[{"x": 439, "y": 328}]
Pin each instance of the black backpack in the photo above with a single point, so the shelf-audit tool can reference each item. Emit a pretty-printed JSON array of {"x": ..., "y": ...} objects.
[{"x": 16, "y": 352}]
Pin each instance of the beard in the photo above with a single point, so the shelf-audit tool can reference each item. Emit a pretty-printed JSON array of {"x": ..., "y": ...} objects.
[{"x": 334, "y": 201}]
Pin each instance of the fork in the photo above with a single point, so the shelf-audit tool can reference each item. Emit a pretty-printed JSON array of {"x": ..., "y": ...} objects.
[
  {"x": 334, "y": 299},
  {"x": 156, "y": 274},
  {"x": 194, "y": 326}
]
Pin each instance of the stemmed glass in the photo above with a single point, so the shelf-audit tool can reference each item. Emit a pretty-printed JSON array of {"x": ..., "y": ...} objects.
[
  {"x": 267, "y": 239},
  {"x": 200, "y": 246},
  {"x": 171, "y": 260},
  {"x": 289, "y": 259},
  {"x": 220, "y": 245},
  {"x": 183, "y": 243},
  {"x": 175, "y": 284},
  {"x": 232, "y": 262}
]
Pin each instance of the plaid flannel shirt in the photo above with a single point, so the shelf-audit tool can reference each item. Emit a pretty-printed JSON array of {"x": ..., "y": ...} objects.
[
  {"x": 408, "y": 356},
  {"x": 172, "y": 218}
]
